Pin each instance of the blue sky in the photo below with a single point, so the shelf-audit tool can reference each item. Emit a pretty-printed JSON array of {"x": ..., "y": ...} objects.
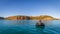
[{"x": 30, "y": 7}]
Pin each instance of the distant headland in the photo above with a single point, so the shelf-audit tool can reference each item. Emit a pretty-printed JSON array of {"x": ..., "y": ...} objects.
[{"x": 20, "y": 17}]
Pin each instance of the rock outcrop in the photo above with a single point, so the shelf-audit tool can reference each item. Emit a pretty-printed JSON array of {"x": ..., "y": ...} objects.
[
  {"x": 18, "y": 18},
  {"x": 1, "y": 18}
]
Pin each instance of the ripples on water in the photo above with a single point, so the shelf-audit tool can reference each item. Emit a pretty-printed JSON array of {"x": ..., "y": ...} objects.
[{"x": 29, "y": 27}]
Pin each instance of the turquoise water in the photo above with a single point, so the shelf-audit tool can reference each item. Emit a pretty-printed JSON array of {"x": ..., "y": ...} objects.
[{"x": 29, "y": 27}]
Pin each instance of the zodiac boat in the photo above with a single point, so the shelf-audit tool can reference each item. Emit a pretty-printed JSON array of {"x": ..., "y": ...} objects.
[{"x": 40, "y": 23}]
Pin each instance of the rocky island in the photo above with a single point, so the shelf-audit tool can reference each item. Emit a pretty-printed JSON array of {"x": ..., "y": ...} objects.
[{"x": 42, "y": 17}]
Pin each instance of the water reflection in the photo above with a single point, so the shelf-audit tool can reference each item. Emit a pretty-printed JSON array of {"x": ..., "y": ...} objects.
[
  {"x": 40, "y": 28},
  {"x": 22, "y": 22}
]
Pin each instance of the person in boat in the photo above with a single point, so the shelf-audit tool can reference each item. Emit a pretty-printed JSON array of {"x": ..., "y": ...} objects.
[{"x": 40, "y": 23}]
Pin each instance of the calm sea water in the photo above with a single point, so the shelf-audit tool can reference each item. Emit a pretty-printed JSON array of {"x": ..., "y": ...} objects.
[{"x": 29, "y": 27}]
